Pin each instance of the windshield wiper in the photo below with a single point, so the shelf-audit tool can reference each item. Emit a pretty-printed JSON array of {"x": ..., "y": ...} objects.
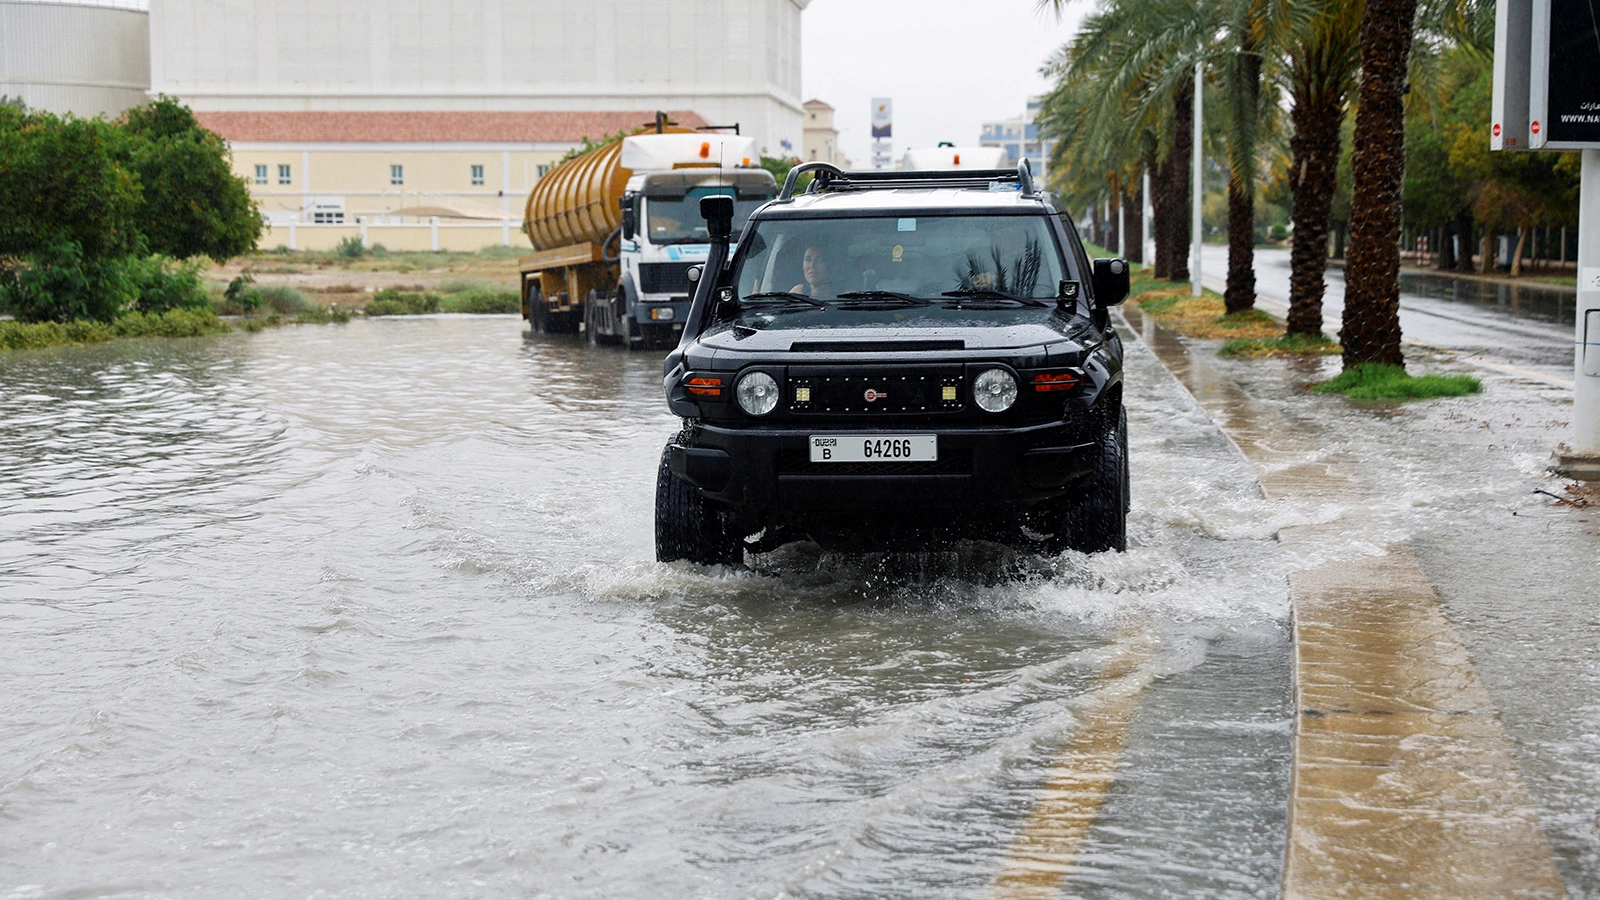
[
  {"x": 791, "y": 297},
  {"x": 987, "y": 294},
  {"x": 874, "y": 298}
]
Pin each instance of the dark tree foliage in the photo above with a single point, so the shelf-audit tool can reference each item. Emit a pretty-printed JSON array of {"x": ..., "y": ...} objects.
[
  {"x": 62, "y": 181},
  {"x": 193, "y": 204}
]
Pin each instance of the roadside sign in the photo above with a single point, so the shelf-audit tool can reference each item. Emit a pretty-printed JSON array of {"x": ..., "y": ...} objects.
[
  {"x": 1564, "y": 75},
  {"x": 1513, "y": 27}
]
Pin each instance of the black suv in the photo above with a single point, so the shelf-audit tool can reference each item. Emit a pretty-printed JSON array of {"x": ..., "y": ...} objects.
[{"x": 894, "y": 361}]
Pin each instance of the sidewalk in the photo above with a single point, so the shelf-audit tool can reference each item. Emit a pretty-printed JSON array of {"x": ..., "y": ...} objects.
[{"x": 1407, "y": 783}]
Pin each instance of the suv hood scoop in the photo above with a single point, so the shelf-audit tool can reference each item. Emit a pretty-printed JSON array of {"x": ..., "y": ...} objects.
[{"x": 874, "y": 346}]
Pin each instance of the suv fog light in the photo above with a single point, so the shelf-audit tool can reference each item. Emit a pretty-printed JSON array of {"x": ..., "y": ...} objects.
[
  {"x": 995, "y": 390},
  {"x": 758, "y": 393}
]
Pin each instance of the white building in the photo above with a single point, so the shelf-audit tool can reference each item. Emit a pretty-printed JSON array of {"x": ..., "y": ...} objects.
[
  {"x": 729, "y": 60},
  {"x": 85, "y": 57},
  {"x": 821, "y": 137},
  {"x": 1019, "y": 137}
]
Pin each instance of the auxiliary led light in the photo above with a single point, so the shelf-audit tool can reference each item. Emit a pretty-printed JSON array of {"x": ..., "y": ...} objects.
[
  {"x": 994, "y": 390},
  {"x": 757, "y": 393}
]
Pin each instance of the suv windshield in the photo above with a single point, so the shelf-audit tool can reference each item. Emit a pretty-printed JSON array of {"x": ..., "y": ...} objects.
[
  {"x": 676, "y": 219},
  {"x": 859, "y": 267}
]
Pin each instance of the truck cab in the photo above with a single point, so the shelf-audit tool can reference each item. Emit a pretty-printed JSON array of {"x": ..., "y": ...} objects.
[{"x": 663, "y": 236}]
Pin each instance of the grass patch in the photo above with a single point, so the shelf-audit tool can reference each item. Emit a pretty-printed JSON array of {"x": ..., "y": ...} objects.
[
  {"x": 172, "y": 323},
  {"x": 1286, "y": 345},
  {"x": 1372, "y": 381},
  {"x": 480, "y": 302},
  {"x": 390, "y": 302},
  {"x": 492, "y": 260}
]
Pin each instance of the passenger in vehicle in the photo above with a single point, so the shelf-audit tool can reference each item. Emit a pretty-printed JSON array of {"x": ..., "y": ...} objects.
[{"x": 819, "y": 278}]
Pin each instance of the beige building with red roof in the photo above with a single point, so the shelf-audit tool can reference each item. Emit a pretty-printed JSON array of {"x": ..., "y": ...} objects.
[
  {"x": 407, "y": 180},
  {"x": 440, "y": 114}
]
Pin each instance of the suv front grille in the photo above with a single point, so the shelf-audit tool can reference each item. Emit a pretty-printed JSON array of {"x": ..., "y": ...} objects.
[
  {"x": 664, "y": 278},
  {"x": 876, "y": 391},
  {"x": 950, "y": 462}
]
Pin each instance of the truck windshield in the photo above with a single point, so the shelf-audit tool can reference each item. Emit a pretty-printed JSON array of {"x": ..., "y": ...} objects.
[
  {"x": 856, "y": 268},
  {"x": 676, "y": 220}
]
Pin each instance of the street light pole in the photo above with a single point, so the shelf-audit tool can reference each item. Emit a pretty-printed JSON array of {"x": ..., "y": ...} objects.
[{"x": 1196, "y": 185}]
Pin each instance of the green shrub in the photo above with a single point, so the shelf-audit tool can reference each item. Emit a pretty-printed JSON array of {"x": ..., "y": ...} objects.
[
  {"x": 59, "y": 284},
  {"x": 164, "y": 285},
  {"x": 481, "y": 302},
  {"x": 500, "y": 251},
  {"x": 284, "y": 299},
  {"x": 351, "y": 247},
  {"x": 241, "y": 297},
  {"x": 1278, "y": 232},
  {"x": 172, "y": 323},
  {"x": 390, "y": 302},
  {"x": 1371, "y": 381}
]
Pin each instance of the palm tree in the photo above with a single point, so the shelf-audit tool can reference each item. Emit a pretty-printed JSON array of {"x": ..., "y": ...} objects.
[
  {"x": 1371, "y": 332},
  {"x": 1320, "y": 66}
]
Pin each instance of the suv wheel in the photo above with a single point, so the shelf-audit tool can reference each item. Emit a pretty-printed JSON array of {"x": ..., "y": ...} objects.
[
  {"x": 687, "y": 527},
  {"x": 1096, "y": 520}
]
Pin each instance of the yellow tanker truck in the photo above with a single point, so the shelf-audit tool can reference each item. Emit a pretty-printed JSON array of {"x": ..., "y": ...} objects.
[{"x": 616, "y": 229}]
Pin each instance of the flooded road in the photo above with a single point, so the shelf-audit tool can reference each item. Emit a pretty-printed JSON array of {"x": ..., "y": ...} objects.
[{"x": 372, "y": 610}]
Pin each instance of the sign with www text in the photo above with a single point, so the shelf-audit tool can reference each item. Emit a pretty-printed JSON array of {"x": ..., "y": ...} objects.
[{"x": 1564, "y": 96}]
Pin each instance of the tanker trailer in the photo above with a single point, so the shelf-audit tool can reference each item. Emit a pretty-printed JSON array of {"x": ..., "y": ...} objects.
[{"x": 616, "y": 230}]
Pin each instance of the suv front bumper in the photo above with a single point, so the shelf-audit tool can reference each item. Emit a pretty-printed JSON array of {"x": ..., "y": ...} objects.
[{"x": 977, "y": 468}]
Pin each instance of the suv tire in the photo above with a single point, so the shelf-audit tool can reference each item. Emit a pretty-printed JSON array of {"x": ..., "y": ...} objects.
[
  {"x": 687, "y": 527},
  {"x": 1096, "y": 520}
]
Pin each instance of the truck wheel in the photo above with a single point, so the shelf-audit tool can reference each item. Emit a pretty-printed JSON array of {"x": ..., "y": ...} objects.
[
  {"x": 1096, "y": 519},
  {"x": 537, "y": 314},
  {"x": 688, "y": 527},
  {"x": 591, "y": 320}
]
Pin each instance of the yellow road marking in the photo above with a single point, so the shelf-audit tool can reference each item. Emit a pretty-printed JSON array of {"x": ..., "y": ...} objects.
[{"x": 1041, "y": 856}]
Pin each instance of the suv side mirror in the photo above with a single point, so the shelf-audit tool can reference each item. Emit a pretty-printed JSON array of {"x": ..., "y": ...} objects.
[
  {"x": 717, "y": 210},
  {"x": 1110, "y": 281},
  {"x": 630, "y": 219}
]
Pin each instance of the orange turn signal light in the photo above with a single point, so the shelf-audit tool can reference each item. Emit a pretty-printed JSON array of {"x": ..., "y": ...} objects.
[
  {"x": 1055, "y": 381},
  {"x": 957, "y": 160},
  {"x": 704, "y": 385},
  {"x": 705, "y": 149}
]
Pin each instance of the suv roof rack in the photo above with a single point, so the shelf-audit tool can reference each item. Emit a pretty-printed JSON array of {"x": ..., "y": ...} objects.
[{"x": 830, "y": 177}]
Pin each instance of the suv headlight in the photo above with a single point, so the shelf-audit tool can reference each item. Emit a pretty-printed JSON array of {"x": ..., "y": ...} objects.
[
  {"x": 758, "y": 393},
  {"x": 995, "y": 390}
]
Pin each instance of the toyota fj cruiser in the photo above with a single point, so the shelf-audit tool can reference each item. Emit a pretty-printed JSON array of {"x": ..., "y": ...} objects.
[{"x": 896, "y": 361}]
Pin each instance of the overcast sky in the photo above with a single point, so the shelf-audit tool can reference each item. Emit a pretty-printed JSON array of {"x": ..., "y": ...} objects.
[{"x": 949, "y": 65}]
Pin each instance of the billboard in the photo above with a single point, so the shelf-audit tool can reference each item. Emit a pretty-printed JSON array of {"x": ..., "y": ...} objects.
[
  {"x": 1564, "y": 95},
  {"x": 882, "y": 118}
]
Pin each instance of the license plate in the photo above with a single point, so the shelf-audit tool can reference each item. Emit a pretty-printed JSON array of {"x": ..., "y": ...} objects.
[{"x": 875, "y": 448}]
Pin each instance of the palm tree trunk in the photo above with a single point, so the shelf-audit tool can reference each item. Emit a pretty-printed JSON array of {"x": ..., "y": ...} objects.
[
  {"x": 1113, "y": 233},
  {"x": 1180, "y": 230},
  {"x": 1314, "y": 153},
  {"x": 1133, "y": 220},
  {"x": 1371, "y": 332},
  {"x": 1240, "y": 293}
]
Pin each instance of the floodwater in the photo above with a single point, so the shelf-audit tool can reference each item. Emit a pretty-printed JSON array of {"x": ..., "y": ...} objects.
[{"x": 372, "y": 610}]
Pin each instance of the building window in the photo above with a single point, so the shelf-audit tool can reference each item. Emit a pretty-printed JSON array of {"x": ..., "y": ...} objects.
[
  {"x": 397, "y": 174},
  {"x": 284, "y": 175},
  {"x": 327, "y": 217},
  {"x": 477, "y": 176},
  {"x": 542, "y": 169},
  {"x": 261, "y": 174}
]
